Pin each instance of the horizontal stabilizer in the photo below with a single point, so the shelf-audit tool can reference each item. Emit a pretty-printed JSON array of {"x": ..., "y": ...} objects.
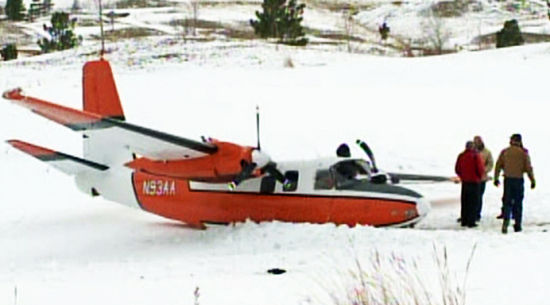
[
  {"x": 149, "y": 143},
  {"x": 66, "y": 163}
]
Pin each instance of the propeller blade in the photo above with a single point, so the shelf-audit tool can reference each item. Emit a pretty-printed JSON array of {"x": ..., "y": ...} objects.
[
  {"x": 247, "y": 169},
  {"x": 417, "y": 177},
  {"x": 259, "y": 159},
  {"x": 262, "y": 161},
  {"x": 369, "y": 153}
]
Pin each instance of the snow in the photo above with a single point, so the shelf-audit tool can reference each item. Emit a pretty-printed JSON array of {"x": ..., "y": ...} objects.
[{"x": 58, "y": 246}]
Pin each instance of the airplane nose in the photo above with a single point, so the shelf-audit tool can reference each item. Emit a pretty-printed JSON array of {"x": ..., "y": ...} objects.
[{"x": 422, "y": 207}]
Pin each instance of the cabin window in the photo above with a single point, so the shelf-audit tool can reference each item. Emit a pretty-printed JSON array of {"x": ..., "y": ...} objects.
[
  {"x": 292, "y": 177},
  {"x": 323, "y": 180},
  {"x": 268, "y": 185}
]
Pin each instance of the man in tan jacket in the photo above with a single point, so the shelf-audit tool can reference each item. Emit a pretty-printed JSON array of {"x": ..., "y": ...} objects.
[
  {"x": 488, "y": 162},
  {"x": 514, "y": 161}
]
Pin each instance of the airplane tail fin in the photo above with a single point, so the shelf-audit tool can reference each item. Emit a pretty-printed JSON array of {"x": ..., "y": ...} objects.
[{"x": 100, "y": 95}]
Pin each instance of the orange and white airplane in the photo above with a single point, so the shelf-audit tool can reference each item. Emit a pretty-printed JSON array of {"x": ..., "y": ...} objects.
[{"x": 211, "y": 181}]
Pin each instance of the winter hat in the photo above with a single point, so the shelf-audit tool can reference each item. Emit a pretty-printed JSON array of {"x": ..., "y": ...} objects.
[
  {"x": 343, "y": 151},
  {"x": 516, "y": 137}
]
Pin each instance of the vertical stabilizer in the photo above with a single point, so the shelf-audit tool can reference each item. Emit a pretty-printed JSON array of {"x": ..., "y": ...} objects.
[
  {"x": 99, "y": 89},
  {"x": 100, "y": 96}
]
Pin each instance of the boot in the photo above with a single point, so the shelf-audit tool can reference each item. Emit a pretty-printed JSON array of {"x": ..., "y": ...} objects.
[
  {"x": 517, "y": 227},
  {"x": 505, "y": 224}
]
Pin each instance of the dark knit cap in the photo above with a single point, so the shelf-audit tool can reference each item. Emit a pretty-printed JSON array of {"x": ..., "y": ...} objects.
[
  {"x": 343, "y": 151},
  {"x": 516, "y": 137}
]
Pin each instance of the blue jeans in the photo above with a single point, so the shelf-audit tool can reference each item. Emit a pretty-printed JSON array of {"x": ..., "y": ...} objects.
[{"x": 513, "y": 199}]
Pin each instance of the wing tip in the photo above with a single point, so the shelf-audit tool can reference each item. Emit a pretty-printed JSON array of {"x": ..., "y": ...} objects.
[
  {"x": 13, "y": 94},
  {"x": 30, "y": 149}
]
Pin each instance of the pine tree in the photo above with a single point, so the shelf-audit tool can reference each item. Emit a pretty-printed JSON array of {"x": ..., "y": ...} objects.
[
  {"x": 61, "y": 33},
  {"x": 9, "y": 52},
  {"x": 509, "y": 35},
  {"x": 281, "y": 20},
  {"x": 15, "y": 9}
]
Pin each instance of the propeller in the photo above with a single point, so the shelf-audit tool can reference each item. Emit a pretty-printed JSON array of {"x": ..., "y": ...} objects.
[
  {"x": 259, "y": 160},
  {"x": 369, "y": 153},
  {"x": 398, "y": 177}
]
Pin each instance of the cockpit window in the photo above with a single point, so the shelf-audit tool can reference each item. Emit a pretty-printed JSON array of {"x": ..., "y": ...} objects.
[
  {"x": 323, "y": 180},
  {"x": 350, "y": 170},
  {"x": 292, "y": 181},
  {"x": 341, "y": 173}
]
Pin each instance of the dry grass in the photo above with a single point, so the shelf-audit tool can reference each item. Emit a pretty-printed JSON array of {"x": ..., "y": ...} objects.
[
  {"x": 10, "y": 33},
  {"x": 207, "y": 27},
  {"x": 339, "y": 6},
  {"x": 142, "y": 3},
  {"x": 394, "y": 280},
  {"x": 127, "y": 33}
]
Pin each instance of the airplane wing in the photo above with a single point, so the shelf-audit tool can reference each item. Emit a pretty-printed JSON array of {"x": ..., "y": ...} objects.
[
  {"x": 152, "y": 144},
  {"x": 68, "y": 164}
]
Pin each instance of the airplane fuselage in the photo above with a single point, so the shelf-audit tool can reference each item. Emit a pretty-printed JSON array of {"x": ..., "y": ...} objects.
[{"x": 309, "y": 199}]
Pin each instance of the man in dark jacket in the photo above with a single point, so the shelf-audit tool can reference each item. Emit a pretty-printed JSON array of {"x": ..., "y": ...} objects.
[
  {"x": 469, "y": 167},
  {"x": 514, "y": 161}
]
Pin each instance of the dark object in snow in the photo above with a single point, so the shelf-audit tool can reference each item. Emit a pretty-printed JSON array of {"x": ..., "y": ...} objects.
[
  {"x": 276, "y": 271},
  {"x": 384, "y": 30},
  {"x": 510, "y": 35}
]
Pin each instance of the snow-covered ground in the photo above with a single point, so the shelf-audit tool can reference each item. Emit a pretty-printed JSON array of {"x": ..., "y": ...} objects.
[{"x": 58, "y": 246}]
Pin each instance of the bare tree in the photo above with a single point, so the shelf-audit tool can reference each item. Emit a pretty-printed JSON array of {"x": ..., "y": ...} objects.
[
  {"x": 347, "y": 15},
  {"x": 195, "y": 11},
  {"x": 435, "y": 31}
]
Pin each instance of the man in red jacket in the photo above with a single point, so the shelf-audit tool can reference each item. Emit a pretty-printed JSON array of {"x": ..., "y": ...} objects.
[{"x": 469, "y": 167}]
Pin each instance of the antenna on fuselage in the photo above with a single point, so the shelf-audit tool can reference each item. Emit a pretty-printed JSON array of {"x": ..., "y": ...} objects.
[
  {"x": 258, "y": 127},
  {"x": 101, "y": 29}
]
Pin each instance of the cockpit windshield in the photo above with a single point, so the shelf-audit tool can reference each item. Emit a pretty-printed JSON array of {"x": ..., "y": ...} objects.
[{"x": 343, "y": 172}]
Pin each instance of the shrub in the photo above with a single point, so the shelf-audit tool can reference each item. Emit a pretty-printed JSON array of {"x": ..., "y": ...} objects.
[
  {"x": 9, "y": 52},
  {"x": 61, "y": 33},
  {"x": 15, "y": 9},
  {"x": 509, "y": 35},
  {"x": 281, "y": 20}
]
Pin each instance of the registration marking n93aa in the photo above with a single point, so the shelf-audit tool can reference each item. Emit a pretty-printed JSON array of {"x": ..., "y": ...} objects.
[{"x": 159, "y": 188}]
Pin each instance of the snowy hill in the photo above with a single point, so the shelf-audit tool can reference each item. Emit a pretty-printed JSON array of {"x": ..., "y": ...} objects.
[{"x": 58, "y": 246}]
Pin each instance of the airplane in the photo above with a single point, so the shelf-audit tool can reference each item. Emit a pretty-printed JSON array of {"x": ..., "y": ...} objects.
[{"x": 212, "y": 181}]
